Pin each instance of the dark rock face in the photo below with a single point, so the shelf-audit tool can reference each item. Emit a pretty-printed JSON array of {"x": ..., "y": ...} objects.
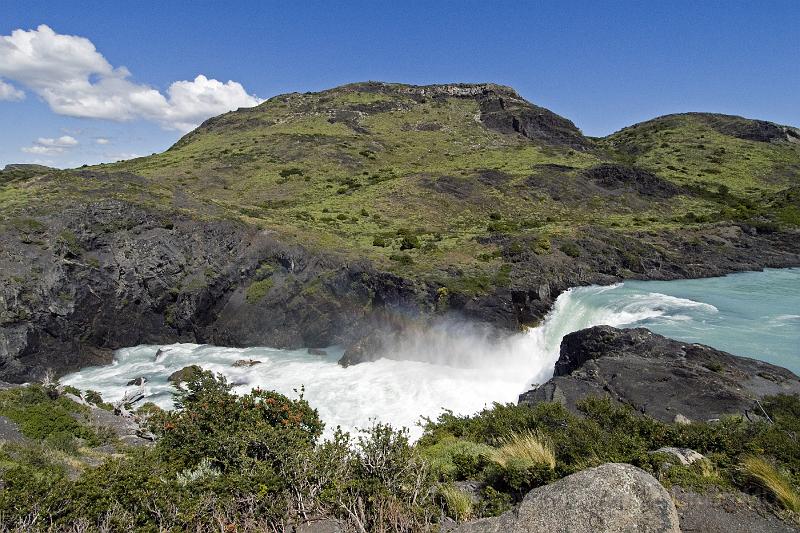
[
  {"x": 612, "y": 498},
  {"x": 615, "y": 177},
  {"x": 111, "y": 275},
  {"x": 750, "y": 130},
  {"x": 660, "y": 377},
  {"x": 507, "y": 112}
]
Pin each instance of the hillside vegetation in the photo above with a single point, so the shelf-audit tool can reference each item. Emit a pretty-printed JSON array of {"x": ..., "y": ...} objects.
[{"x": 371, "y": 163}]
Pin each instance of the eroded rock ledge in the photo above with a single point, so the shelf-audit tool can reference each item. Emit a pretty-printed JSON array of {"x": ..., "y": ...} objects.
[{"x": 661, "y": 377}]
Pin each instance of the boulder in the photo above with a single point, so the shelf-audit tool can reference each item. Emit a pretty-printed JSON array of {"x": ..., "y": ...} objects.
[
  {"x": 367, "y": 349},
  {"x": 136, "y": 382},
  {"x": 612, "y": 497},
  {"x": 663, "y": 378},
  {"x": 685, "y": 456},
  {"x": 246, "y": 363},
  {"x": 126, "y": 429},
  {"x": 184, "y": 374}
]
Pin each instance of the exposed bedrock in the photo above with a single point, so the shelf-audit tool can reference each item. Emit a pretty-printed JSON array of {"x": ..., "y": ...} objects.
[{"x": 661, "y": 377}]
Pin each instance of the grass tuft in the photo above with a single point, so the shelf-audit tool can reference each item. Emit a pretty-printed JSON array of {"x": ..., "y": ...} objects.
[
  {"x": 773, "y": 480},
  {"x": 531, "y": 447},
  {"x": 457, "y": 503}
]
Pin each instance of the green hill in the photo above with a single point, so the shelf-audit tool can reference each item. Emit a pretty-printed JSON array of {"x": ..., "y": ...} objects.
[{"x": 372, "y": 197}]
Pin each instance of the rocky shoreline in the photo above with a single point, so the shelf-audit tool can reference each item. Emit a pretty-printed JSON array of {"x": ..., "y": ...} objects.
[{"x": 663, "y": 378}]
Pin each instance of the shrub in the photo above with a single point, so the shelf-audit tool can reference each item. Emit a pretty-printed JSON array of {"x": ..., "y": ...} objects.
[
  {"x": 232, "y": 432},
  {"x": 96, "y": 399},
  {"x": 264, "y": 271},
  {"x": 379, "y": 241},
  {"x": 403, "y": 259},
  {"x": 257, "y": 290},
  {"x": 409, "y": 242},
  {"x": 289, "y": 172},
  {"x": 39, "y": 415},
  {"x": 493, "y": 502},
  {"x": 542, "y": 245},
  {"x": 456, "y": 459}
]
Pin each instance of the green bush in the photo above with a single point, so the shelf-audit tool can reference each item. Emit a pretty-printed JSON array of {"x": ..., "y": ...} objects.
[
  {"x": 403, "y": 259},
  {"x": 409, "y": 242},
  {"x": 39, "y": 415},
  {"x": 257, "y": 290}
]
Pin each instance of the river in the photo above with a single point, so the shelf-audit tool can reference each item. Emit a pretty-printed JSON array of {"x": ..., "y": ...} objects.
[{"x": 455, "y": 366}]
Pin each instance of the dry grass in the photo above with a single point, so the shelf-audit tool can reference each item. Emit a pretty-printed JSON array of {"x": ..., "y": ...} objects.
[
  {"x": 531, "y": 447},
  {"x": 773, "y": 480}
]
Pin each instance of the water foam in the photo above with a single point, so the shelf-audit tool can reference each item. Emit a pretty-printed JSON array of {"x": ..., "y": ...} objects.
[{"x": 452, "y": 365}]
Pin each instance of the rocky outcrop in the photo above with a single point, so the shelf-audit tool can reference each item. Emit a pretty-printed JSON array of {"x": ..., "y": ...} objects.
[
  {"x": 660, "y": 377},
  {"x": 185, "y": 374},
  {"x": 80, "y": 283},
  {"x": 77, "y": 284},
  {"x": 620, "y": 177},
  {"x": 715, "y": 511},
  {"x": 611, "y": 498}
]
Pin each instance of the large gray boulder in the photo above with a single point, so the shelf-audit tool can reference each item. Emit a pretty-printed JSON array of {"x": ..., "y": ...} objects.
[
  {"x": 611, "y": 498},
  {"x": 667, "y": 379}
]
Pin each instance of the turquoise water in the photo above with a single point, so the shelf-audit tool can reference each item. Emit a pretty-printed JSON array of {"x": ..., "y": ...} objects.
[
  {"x": 454, "y": 366},
  {"x": 753, "y": 314}
]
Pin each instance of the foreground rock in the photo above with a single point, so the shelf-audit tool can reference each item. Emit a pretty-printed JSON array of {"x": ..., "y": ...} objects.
[
  {"x": 664, "y": 378},
  {"x": 714, "y": 511},
  {"x": 612, "y": 497}
]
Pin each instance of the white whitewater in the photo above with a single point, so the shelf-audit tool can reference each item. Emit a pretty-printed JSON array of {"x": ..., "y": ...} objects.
[{"x": 451, "y": 367}]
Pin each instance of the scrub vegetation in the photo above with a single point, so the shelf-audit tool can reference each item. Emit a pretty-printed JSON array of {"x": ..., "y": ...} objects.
[{"x": 256, "y": 462}]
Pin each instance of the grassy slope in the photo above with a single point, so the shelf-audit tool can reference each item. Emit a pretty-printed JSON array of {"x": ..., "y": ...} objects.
[{"x": 340, "y": 168}]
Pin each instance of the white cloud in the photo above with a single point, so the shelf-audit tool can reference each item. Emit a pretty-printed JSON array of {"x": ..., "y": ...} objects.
[
  {"x": 9, "y": 92},
  {"x": 64, "y": 140},
  {"x": 43, "y": 150},
  {"x": 101, "y": 140},
  {"x": 50, "y": 145},
  {"x": 68, "y": 73}
]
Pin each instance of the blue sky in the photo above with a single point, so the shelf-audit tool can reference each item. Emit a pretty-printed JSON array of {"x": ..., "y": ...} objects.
[{"x": 604, "y": 65}]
